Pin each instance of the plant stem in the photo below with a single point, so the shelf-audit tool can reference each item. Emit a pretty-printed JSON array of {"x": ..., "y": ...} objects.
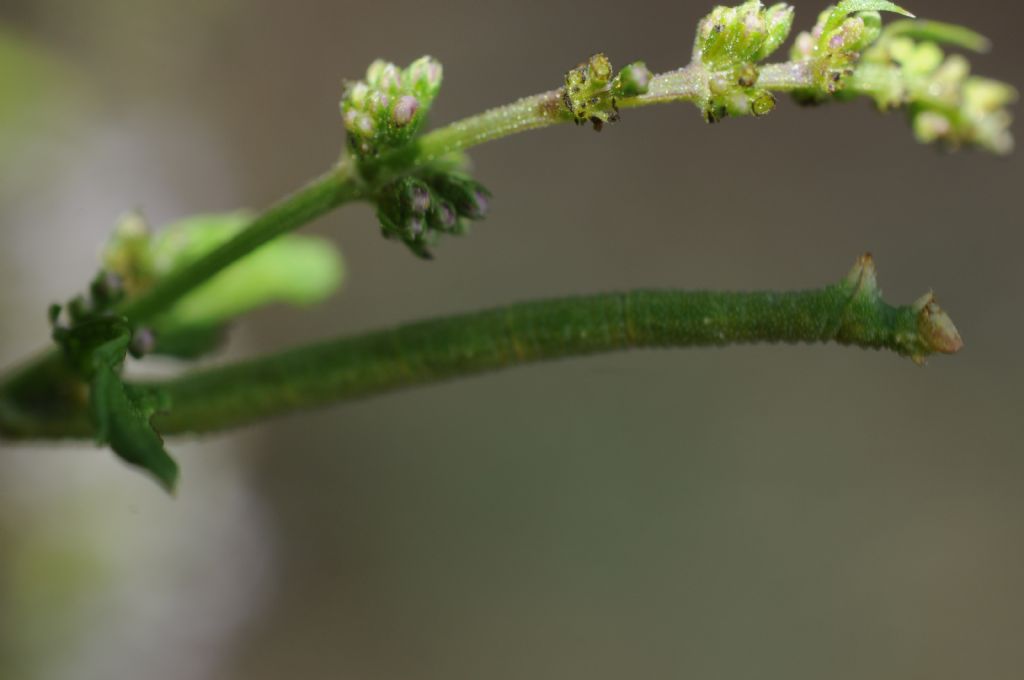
[
  {"x": 332, "y": 189},
  {"x": 849, "y": 313},
  {"x": 542, "y": 110},
  {"x": 528, "y": 113},
  {"x": 686, "y": 84},
  {"x": 785, "y": 77}
]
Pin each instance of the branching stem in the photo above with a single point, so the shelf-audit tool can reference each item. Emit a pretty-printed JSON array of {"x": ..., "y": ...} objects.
[{"x": 345, "y": 183}]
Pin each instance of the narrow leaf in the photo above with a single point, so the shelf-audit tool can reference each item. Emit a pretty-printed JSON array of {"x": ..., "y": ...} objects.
[
  {"x": 851, "y": 6},
  {"x": 848, "y": 7},
  {"x": 951, "y": 34}
]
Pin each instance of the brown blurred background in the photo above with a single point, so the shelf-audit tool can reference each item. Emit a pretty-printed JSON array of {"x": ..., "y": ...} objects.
[{"x": 755, "y": 512}]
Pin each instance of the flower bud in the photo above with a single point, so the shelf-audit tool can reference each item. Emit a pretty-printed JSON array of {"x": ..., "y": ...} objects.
[
  {"x": 442, "y": 216},
  {"x": 414, "y": 226},
  {"x": 746, "y": 76},
  {"x": 405, "y": 109},
  {"x": 743, "y": 34},
  {"x": 763, "y": 104},
  {"x": 872, "y": 30},
  {"x": 128, "y": 255},
  {"x": 383, "y": 75},
  {"x": 106, "y": 289},
  {"x": 984, "y": 113},
  {"x": 418, "y": 209},
  {"x": 985, "y": 95},
  {"x": 730, "y": 42},
  {"x": 835, "y": 44},
  {"x": 930, "y": 126},
  {"x": 599, "y": 69},
  {"x": 778, "y": 21},
  {"x": 469, "y": 198},
  {"x": 358, "y": 93},
  {"x": 632, "y": 80},
  {"x": 143, "y": 342},
  {"x": 388, "y": 108},
  {"x": 846, "y": 37},
  {"x": 424, "y": 74},
  {"x": 952, "y": 72},
  {"x": 803, "y": 47},
  {"x": 418, "y": 197},
  {"x": 923, "y": 60},
  {"x": 364, "y": 125},
  {"x": 589, "y": 92},
  {"x": 377, "y": 103}
]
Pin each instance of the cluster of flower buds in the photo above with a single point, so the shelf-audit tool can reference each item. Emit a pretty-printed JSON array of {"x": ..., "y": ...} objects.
[
  {"x": 79, "y": 324},
  {"x": 833, "y": 47},
  {"x": 419, "y": 209},
  {"x": 946, "y": 103},
  {"x": 591, "y": 89},
  {"x": 105, "y": 291},
  {"x": 730, "y": 42},
  {"x": 387, "y": 108},
  {"x": 123, "y": 266},
  {"x": 127, "y": 254}
]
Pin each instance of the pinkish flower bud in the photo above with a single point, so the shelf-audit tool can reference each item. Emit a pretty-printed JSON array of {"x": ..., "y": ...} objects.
[{"x": 405, "y": 109}]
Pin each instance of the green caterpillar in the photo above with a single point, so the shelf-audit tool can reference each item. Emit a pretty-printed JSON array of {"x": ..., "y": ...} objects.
[{"x": 850, "y": 313}]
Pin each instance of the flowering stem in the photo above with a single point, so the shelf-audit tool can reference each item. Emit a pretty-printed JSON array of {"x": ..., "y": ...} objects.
[
  {"x": 545, "y": 109},
  {"x": 850, "y": 313},
  {"x": 345, "y": 182}
]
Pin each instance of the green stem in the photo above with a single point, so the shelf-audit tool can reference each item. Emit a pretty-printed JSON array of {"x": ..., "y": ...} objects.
[
  {"x": 528, "y": 113},
  {"x": 334, "y": 188},
  {"x": 785, "y": 77},
  {"x": 850, "y": 313},
  {"x": 687, "y": 84},
  {"x": 542, "y": 110}
]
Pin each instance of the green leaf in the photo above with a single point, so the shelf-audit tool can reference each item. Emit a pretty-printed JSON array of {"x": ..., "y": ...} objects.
[
  {"x": 938, "y": 31},
  {"x": 848, "y": 7},
  {"x": 121, "y": 418},
  {"x": 299, "y": 270},
  {"x": 851, "y": 6}
]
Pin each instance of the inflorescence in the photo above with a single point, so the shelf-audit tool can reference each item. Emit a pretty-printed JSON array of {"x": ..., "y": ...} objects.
[{"x": 847, "y": 53}]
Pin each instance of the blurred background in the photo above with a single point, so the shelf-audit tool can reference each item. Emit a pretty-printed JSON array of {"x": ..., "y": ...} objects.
[{"x": 770, "y": 512}]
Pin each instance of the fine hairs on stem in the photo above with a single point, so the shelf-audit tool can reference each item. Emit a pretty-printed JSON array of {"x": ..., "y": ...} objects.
[{"x": 175, "y": 292}]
